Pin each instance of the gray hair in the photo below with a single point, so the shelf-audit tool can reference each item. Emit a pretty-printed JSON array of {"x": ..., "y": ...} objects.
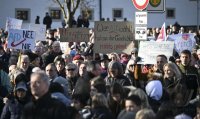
[
  {"x": 42, "y": 75},
  {"x": 145, "y": 114}
]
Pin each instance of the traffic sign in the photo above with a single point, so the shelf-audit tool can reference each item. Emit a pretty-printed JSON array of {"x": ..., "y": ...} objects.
[
  {"x": 140, "y": 33},
  {"x": 140, "y": 4},
  {"x": 141, "y": 18}
]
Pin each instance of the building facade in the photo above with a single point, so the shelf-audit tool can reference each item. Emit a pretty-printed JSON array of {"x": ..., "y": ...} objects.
[{"x": 182, "y": 11}]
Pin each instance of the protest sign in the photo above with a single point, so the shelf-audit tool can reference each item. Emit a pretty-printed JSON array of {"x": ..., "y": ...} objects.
[
  {"x": 40, "y": 30},
  {"x": 148, "y": 50},
  {"x": 113, "y": 37},
  {"x": 64, "y": 46},
  {"x": 183, "y": 41},
  {"x": 74, "y": 34},
  {"x": 21, "y": 39},
  {"x": 12, "y": 23}
]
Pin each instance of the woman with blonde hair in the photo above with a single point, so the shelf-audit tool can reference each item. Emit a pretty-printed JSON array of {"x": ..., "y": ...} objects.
[
  {"x": 145, "y": 114},
  {"x": 172, "y": 75}
]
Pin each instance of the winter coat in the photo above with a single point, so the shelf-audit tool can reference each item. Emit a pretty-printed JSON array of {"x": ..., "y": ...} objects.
[
  {"x": 120, "y": 79},
  {"x": 45, "y": 108},
  {"x": 13, "y": 109},
  {"x": 101, "y": 113}
]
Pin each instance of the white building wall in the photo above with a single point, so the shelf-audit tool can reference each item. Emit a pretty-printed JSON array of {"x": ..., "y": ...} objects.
[{"x": 186, "y": 11}]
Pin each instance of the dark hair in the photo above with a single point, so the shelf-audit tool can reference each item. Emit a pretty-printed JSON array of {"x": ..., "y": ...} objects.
[
  {"x": 163, "y": 56},
  {"x": 82, "y": 98},
  {"x": 187, "y": 52},
  {"x": 116, "y": 88},
  {"x": 135, "y": 99},
  {"x": 91, "y": 66},
  {"x": 59, "y": 58}
]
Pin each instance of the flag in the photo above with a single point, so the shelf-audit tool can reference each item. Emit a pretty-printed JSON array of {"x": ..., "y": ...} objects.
[{"x": 162, "y": 34}]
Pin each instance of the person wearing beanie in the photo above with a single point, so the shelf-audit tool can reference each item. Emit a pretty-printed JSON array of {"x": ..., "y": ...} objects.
[{"x": 78, "y": 59}]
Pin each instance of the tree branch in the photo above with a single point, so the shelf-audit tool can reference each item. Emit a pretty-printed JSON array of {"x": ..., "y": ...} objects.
[{"x": 77, "y": 4}]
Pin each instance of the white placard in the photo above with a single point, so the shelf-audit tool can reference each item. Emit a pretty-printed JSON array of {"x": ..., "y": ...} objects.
[
  {"x": 40, "y": 30},
  {"x": 148, "y": 50},
  {"x": 183, "y": 41},
  {"x": 21, "y": 39},
  {"x": 12, "y": 23}
]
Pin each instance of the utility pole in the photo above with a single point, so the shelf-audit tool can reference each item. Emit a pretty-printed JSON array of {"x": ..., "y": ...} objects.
[
  {"x": 197, "y": 15},
  {"x": 100, "y": 10}
]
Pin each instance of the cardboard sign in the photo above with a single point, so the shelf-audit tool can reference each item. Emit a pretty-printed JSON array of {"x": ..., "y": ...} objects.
[
  {"x": 148, "y": 50},
  {"x": 183, "y": 41},
  {"x": 12, "y": 23},
  {"x": 21, "y": 39},
  {"x": 40, "y": 30},
  {"x": 113, "y": 37},
  {"x": 74, "y": 34}
]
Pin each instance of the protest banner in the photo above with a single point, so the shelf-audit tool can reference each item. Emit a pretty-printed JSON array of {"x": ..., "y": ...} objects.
[
  {"x": 64, "y": 46},
  {"x": 113, "y": 37},
  {"x": 183, "y": 41},
  {"x": 21, "y": 39},
  {"x": 12, "y": 23},
  {"x": 74, "y": 34},
  {"x": 148, "y": 50},
  {"x": 40, "y": 30}
]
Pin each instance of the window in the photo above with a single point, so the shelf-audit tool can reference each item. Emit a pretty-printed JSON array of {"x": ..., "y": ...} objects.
[
  {"x": 170, "y": 13},
  {"x": 23, "y": 14},
  {"x": 118, "y": 13},
  {"x": 55, "y": 13},
  {"x": 88, "y": 13}
]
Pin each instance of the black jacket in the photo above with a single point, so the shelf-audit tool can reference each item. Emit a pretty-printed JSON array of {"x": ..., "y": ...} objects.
[
  {"x": 45, "y": 108},
  {"x": 102, "y": 113},
  {"x": 13, "y": 108}
]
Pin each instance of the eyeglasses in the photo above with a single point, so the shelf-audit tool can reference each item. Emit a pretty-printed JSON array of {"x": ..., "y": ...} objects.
[
  {"x": 70, "y": 69},
  {"x": 131, "y": 65}
]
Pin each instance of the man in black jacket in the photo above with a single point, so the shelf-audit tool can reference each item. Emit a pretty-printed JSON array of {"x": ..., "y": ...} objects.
[
  {"x": 43, "y": 106},
  {"x": 47, "y": 21}
]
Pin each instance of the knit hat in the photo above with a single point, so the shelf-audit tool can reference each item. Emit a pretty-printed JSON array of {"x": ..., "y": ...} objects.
[{"x": 78, "y": 57}]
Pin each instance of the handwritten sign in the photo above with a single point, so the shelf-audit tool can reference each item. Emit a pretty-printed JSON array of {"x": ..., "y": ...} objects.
[
  {"x": 74, "y": 34},
  {"x": 113, "y": 37},
  {"x": 12, "y": 23},
  {"x": 148, "y": 50},
  {"x": 40, "y": 30},
  {"x": 183, "y": 41},
  {"x": 64, "y": 46},
  {"x": 21, "y": 39}
]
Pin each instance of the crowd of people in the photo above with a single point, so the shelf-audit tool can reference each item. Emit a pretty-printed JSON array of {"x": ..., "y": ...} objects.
[{"x": 48, "y": 83}]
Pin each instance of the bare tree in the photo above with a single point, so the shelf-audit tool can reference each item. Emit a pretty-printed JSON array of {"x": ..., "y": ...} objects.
[{"x": 69, "y": 7}]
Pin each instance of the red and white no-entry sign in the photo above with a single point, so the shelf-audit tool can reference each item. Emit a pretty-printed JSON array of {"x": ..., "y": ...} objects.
[{"x": 140, "y": 4}]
